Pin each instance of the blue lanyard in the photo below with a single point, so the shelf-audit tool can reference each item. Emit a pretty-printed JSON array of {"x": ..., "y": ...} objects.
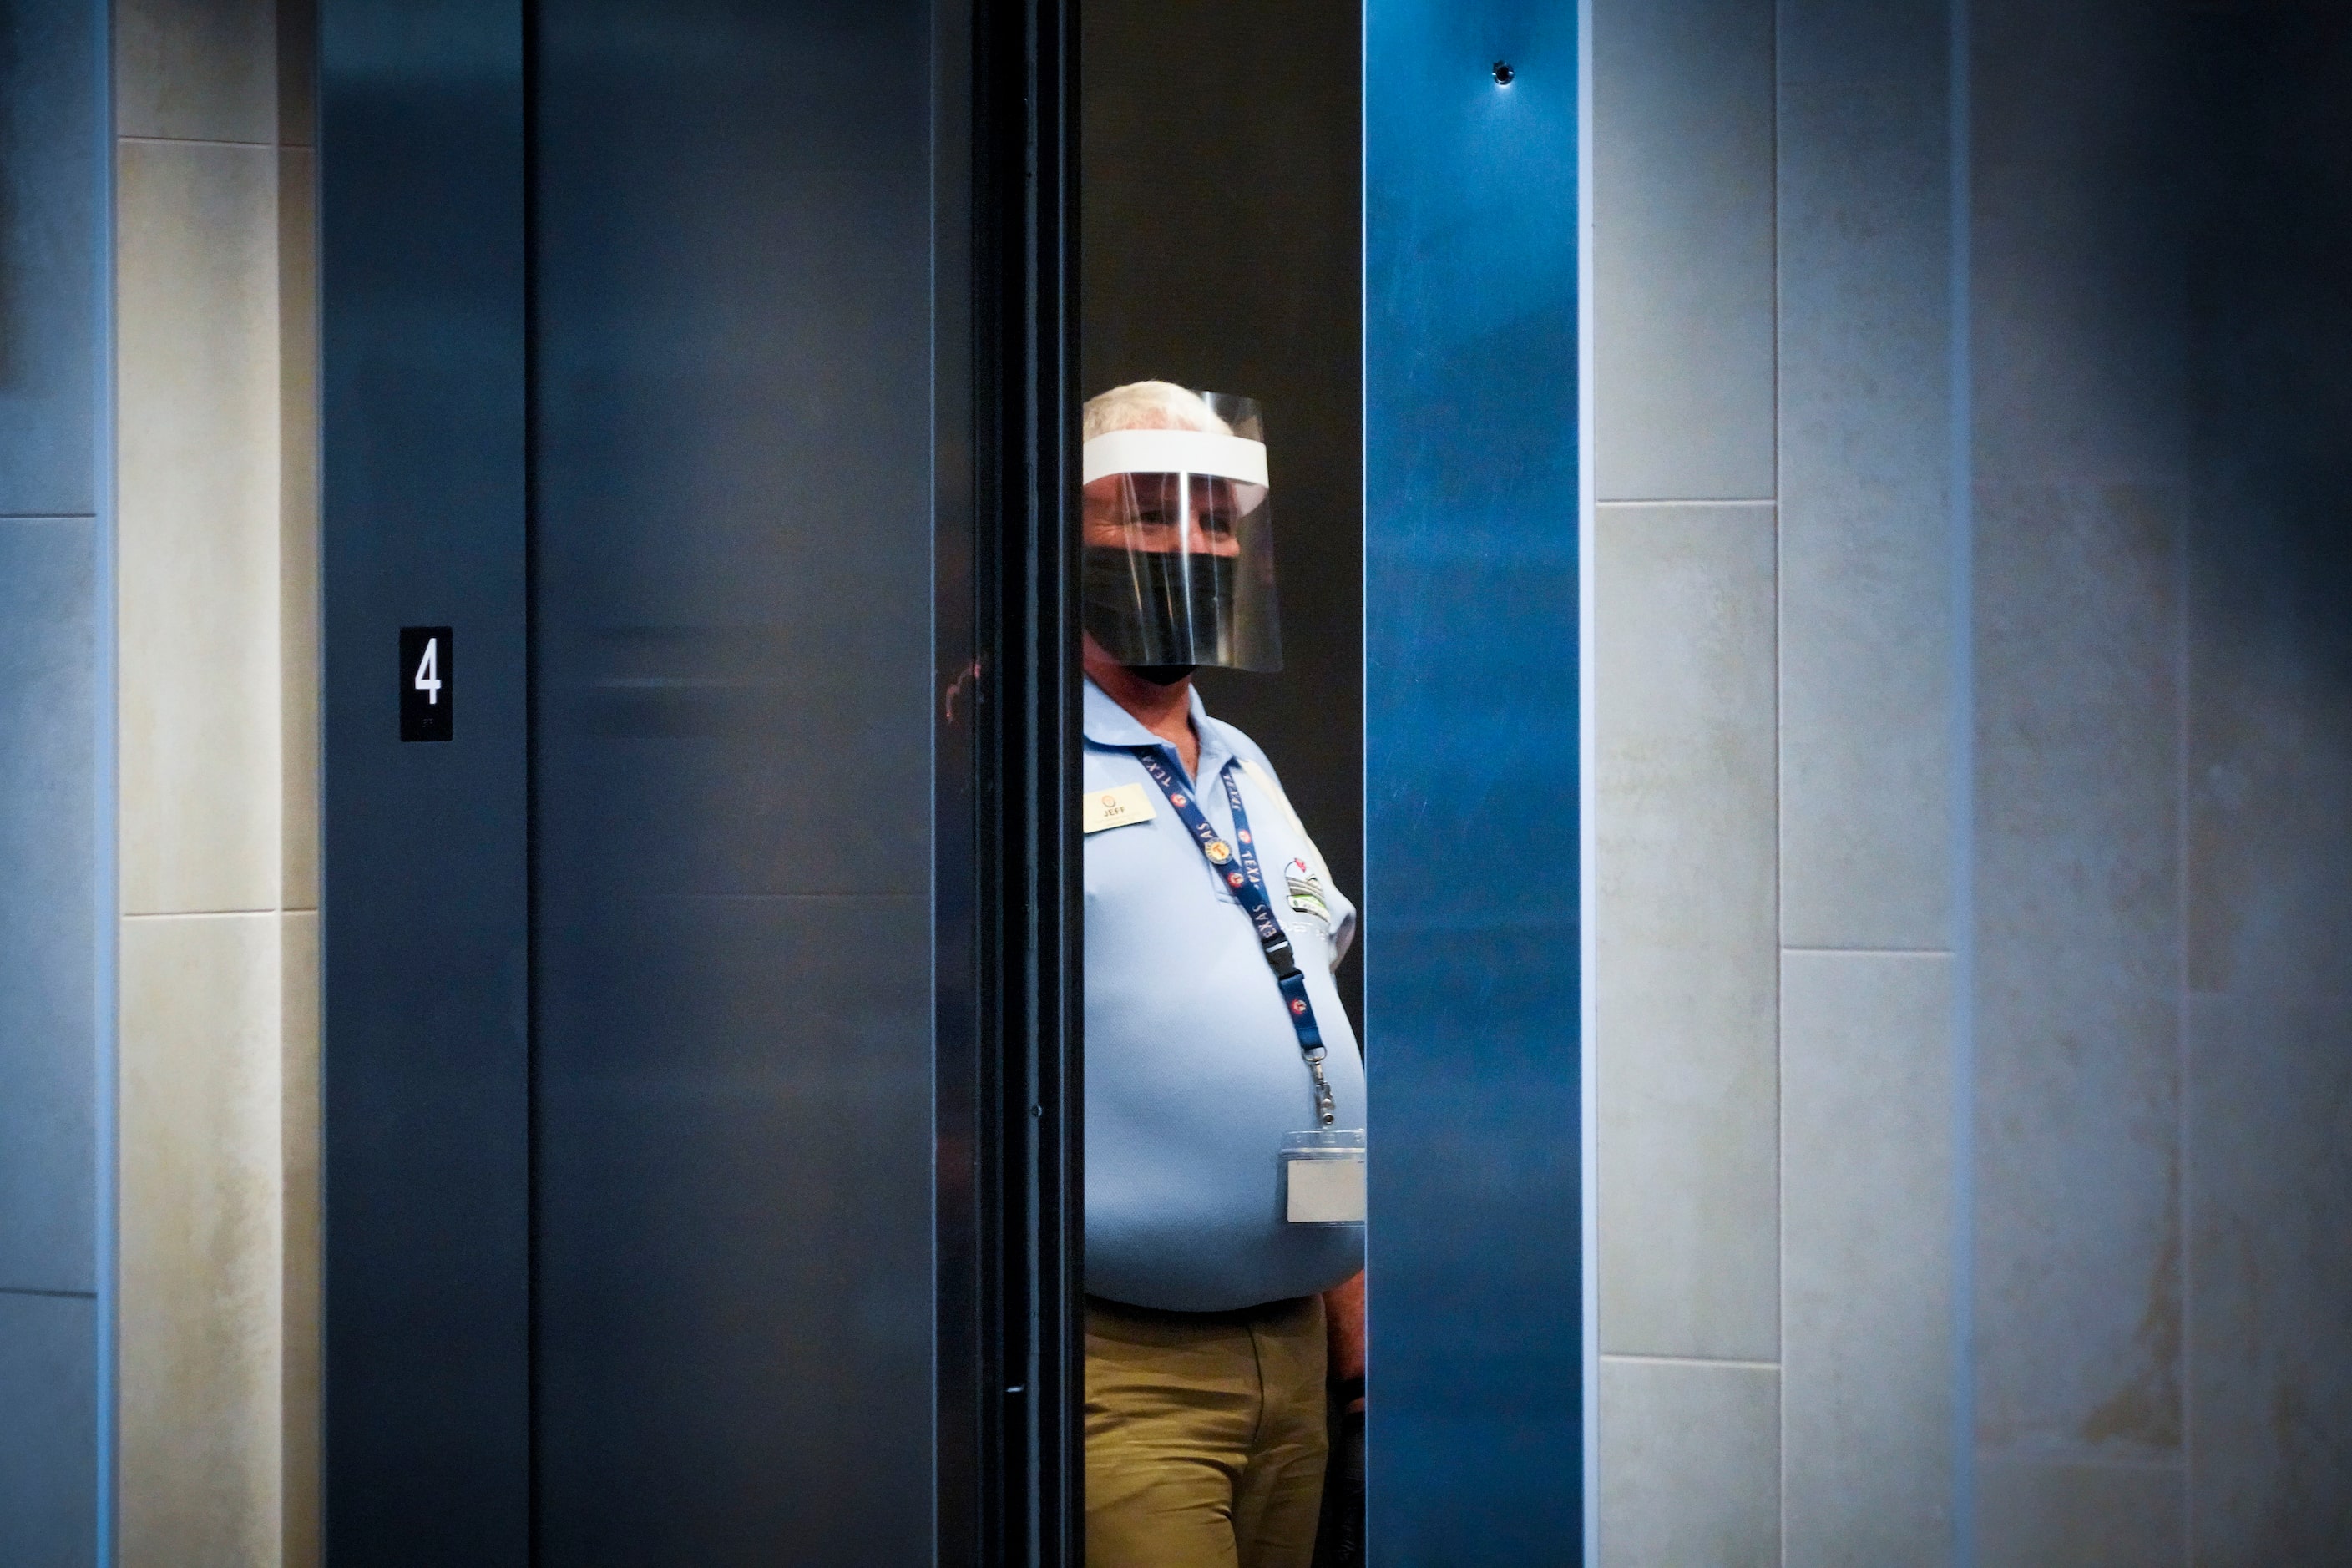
[{"x": 1237, "y": 868}]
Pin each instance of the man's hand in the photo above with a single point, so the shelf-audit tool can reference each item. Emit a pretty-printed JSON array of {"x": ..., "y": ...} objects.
[{"x": 1343, "y": 1317}]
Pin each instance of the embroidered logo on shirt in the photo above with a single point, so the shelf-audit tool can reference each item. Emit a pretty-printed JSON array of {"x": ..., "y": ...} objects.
[{"x": 1306, "y": 890}]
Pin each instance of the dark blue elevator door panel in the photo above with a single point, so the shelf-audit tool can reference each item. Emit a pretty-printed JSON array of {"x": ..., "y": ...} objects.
[
  {"x": 732, "y": 598},
  {"x": 1471, "y": 823},
  {"x": 423, "y": 427}
]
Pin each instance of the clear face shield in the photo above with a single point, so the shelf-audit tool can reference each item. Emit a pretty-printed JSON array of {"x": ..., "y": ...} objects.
[{"x": 1178, "y": 546}]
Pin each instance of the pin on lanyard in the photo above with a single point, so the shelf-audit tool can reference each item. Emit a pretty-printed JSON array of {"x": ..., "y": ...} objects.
[{"x": 1236, "y": 866}]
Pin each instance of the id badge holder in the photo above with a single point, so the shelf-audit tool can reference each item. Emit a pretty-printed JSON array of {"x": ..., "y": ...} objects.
[{"x": 1323, "y": 1178}]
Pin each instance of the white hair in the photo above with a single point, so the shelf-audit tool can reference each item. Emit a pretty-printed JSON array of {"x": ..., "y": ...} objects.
[{"x": 1150, "y": 405}]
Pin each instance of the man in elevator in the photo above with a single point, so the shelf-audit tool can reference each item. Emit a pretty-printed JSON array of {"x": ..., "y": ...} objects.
[{"x": 1225, "y": 1090}]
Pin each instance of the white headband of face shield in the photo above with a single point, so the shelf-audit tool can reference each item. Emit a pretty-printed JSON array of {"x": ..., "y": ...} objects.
[{"x": 1236, "y": 457}]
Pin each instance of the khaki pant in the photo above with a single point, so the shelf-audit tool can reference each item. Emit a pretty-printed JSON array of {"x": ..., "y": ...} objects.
[{"x": 1206, "y": 1435}]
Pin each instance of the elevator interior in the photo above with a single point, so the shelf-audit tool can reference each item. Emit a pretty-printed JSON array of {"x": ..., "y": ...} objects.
[{"x": 1367, "y": 218}]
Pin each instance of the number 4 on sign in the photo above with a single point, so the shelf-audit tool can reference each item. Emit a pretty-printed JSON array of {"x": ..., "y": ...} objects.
[
  {"x": 428, "y": 682},
  {"x": 428, "y": 671}
]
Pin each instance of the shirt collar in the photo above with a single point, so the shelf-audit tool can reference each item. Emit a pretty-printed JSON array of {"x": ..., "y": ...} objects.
[{"x": 1109, "y": 724}]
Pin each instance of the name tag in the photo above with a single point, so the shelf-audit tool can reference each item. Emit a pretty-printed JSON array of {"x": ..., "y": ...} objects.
[
  {"x": 1327, "y": 1192},
  {"x": 1102, "y": 808},
  {"x": 1323, "y": 1178}
]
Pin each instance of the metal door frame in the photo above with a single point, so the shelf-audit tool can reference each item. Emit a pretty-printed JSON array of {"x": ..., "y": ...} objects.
[{"x": 1011, "y": 984}]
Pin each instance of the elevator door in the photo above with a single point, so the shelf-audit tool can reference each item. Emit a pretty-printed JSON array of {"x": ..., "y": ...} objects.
[{"x": 731, "y": 643}]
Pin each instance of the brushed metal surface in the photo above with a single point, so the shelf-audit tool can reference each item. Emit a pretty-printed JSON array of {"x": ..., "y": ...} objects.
[
  {"x": 1471, "y": 724},
  {"x": 733, "y": 594},
  {"x": 426, "y": 910}
]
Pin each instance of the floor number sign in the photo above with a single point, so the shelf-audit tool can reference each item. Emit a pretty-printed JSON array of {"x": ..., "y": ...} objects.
[{"x": 427, "y": 683}]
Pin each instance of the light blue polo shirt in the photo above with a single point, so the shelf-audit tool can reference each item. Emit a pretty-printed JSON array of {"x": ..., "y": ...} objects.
[{"x": 1193, "y": 1072}]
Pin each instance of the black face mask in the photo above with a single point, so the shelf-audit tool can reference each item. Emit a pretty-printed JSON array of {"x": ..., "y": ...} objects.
[{"x": 1157, "y": 610}]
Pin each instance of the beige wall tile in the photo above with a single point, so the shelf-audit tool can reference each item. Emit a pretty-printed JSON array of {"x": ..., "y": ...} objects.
[
  {"x": 1865, "y": 716},
  {"x": 2037, "y": 1515},
  {"x": 299, "y": 628},
  {"x": 49, "y": 1429},
  {"x": 202, "y": 1240},
  {"x": 298, "y": 1139},
  {"x": 1683, "y": 185},
  {"x": 1689, "y": 955},
  {"x": 204, "y": 71},
  {"x": 51, "y": 699},
  {"x": 2078, "y": 288},
  {"x": 2078, "y": 1307},
  {"x": 2270, "y": 738},
  {"x": 1867, "y": 1186},
  {"x": 1864, "y": 294},
  {"x": 199, "y": 536},
  {"x": 1690, "y": 1465},
  {"x": 2270, "y": 1250}
]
